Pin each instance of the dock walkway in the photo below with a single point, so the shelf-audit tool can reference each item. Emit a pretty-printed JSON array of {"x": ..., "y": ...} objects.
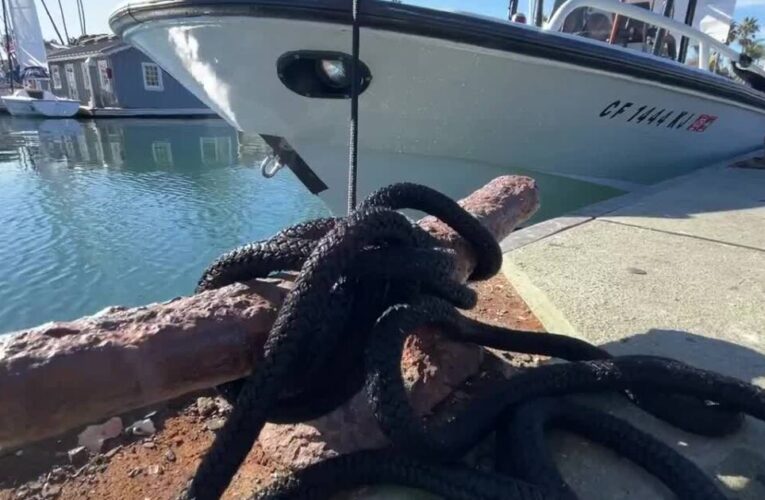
[{"x": 677, "y": 270}]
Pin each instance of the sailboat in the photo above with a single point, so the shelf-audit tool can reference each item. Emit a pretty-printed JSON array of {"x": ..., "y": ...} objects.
[
  {"x": 619, "y": 92},
  {"x": 34, "y": 98}
]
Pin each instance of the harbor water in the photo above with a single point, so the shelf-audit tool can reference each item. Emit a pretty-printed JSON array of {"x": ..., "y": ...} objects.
[{"x": 130, "y": 211}]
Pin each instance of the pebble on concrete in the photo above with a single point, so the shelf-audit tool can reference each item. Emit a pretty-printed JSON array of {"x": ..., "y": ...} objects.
[
  {"x": 78, "y": 456},
  {"x": 206, "y": 406},
  {"x": 93, "y": 436},
  {"x": 51, "y": 490},
  {"x": 143, "y": 427},
  {"x": 215, "y": 424}
]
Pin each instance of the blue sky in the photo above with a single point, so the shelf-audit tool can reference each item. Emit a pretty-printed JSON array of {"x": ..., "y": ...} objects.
[{"x": 97, "y": 11}]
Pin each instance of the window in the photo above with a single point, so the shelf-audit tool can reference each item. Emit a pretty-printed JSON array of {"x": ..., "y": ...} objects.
[
  {"x": 152, "y": 76},
  {"x": 215, "y": 150},
  {"x": 162, "y": 153},
  {"x": 105, "y": 76},
  {"x": 71, "y": 82},
  {"x": 55, "y": 73}
]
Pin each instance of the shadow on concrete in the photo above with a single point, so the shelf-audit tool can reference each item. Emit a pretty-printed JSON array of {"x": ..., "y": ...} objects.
[
  {"x": 738, "y": 461},
  {"x": 709, "y": 353}
]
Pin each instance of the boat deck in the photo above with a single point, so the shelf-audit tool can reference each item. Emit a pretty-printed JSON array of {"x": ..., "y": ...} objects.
[{"x": 677, "y": 270}]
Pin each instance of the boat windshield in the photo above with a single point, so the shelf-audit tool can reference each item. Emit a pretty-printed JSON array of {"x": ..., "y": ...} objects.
[{"x": 34, "y": 72}]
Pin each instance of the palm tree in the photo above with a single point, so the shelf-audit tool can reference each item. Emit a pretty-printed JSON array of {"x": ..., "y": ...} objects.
[
  {"x": 756, "y": 49},
  {"x": 747, "y": 29},
  {"x": 744, "y": 33}
]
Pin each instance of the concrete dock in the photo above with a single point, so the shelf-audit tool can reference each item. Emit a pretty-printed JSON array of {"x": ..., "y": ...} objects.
[{"x": 677, "y": 270}]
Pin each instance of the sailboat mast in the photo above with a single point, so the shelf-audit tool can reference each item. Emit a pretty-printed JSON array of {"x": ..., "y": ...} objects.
[
  {"x": 28, "y": 43},
  {"x": 8, "y": 45}
]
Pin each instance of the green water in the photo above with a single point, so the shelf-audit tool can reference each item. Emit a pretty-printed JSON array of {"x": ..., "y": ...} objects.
[{"x": 129, "y": 211}]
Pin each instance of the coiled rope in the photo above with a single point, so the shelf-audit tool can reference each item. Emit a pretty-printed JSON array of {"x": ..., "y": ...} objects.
[{"x": 368, "y": 279}]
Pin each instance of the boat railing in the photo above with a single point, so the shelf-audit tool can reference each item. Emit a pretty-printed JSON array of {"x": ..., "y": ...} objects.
[{"x": 707, "y": 44}]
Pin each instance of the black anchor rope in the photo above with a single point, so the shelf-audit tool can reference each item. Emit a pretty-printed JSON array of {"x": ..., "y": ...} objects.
[{"x": 367, "y": 279}]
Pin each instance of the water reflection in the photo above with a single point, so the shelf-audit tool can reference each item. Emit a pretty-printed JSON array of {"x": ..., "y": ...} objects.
[
  {"x": 457, "y": 179},
  {"x": 97, "y": 213},
  {"x": 139, "y": 145}
]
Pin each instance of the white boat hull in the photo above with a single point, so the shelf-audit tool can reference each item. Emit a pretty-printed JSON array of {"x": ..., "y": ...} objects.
[
  {"x": 432, "y": 99},
  {"x": 18, "y": 107},
  {"x": 56, "y": 108},
  {"x": 51, "y": 108}
]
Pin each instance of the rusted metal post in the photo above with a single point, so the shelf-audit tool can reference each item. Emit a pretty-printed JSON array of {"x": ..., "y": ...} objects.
[{"x": 62, "y": 375}]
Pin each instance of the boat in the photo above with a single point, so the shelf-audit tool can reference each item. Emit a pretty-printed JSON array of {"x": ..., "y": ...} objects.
[
  {"x": 453, "y": 91},
  {"x": 34, "y": 98},
  {"x": 33, "y": 102}
]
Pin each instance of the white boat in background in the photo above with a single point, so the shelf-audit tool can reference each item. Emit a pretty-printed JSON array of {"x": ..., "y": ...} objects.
[
  {"x": 34, "y": 98},
  {"x": 451, "y": 90},
  {"x": 31, "y": 102}
]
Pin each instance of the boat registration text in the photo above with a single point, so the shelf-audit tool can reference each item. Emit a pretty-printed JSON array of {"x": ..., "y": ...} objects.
[{"x": 658, "y": 117}]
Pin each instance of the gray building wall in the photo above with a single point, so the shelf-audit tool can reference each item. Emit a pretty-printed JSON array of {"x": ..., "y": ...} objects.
[
  {"x": 128, "y": 89},
  {"x": 104, "y": 98},
  {"x": 128, "y": 85}
]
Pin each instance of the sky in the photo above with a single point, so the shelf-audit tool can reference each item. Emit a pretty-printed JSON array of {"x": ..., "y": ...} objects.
[{"x": 97, "y": 12}]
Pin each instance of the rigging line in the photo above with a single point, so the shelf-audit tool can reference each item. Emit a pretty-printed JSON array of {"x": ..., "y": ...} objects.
[
  {"x": 52, "y": 22},
  {"x": 63, "y": 21},
  {"x": 353, "y": 152},
  {"x": 82, "y": 13},
  {"x": 80, "y": 17}
]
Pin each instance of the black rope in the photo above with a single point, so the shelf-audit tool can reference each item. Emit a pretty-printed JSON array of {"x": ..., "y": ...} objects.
[
  {"x": 353, "y": 147},
  {"x": 365, "y": 281}
]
